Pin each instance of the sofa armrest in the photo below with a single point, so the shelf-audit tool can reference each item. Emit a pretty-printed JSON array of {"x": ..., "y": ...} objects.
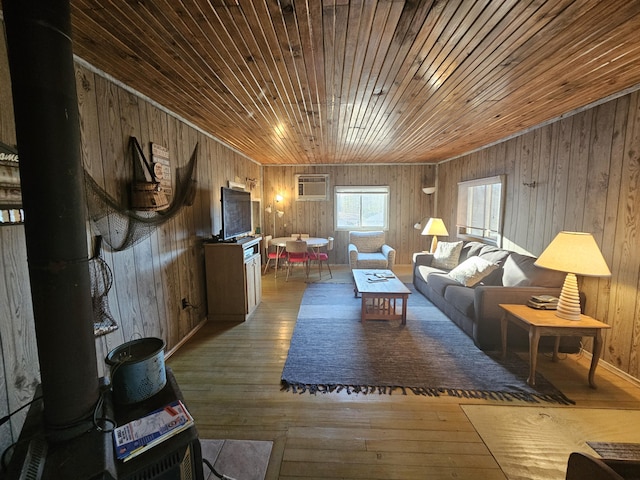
[
  {"x": 488, "y": 297},
  {"x": 353, "y": 254},
  {"x": 422, "y": 258},
  {"x": 390, "y": 254}
]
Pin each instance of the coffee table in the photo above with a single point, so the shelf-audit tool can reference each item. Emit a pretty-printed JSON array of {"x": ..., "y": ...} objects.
[
  {"x": 545, "y": 323},
  {"x": 382, "y": 293}
]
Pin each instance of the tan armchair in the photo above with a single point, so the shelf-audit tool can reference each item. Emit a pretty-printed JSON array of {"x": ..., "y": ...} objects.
[{"x": 368, "y": 250}]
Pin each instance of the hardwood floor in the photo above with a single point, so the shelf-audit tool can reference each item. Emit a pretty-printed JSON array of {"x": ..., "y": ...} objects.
[{"x": 230, "y": 377}]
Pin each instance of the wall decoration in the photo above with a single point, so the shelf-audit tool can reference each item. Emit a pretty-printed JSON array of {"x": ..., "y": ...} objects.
[
  {"x": 147, "y": 194},
  {"x": 11, "y": 212},
  {"x": 162, "y": 168},
  {"x": 120, "y": 226}
]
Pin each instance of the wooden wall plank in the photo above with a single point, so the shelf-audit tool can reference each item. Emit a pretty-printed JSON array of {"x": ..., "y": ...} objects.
[
  {"x": 614, "y": 177},
  {"x": 21, "y": 373},
  {"x": 86, "y": 86},
  {"x": 625, "y": 336}
]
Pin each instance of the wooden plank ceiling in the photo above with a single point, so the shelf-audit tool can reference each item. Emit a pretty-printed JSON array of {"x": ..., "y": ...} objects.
[{"x": 367, "y": 81}]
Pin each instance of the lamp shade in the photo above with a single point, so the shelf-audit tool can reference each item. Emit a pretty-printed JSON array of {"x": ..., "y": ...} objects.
[
  {"x": 574, "y": 252},
  {"x": 435, "y": 226},
  {"x": 577, "y": 254}
]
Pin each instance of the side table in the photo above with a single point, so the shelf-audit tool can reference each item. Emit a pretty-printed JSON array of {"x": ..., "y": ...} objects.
[{"x": 545, "y": 323}]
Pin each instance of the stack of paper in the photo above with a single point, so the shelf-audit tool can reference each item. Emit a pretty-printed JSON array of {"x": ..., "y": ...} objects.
[{"x": 144, "y": 433}]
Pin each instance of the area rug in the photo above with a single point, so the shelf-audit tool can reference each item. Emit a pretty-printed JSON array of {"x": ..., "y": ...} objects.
[{"x": 332, "y": 351}]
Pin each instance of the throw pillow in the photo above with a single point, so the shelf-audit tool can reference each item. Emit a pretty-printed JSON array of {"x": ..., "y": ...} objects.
[
  {"x": 472, "y": 271},
  {"x": 446, "y": 255}
]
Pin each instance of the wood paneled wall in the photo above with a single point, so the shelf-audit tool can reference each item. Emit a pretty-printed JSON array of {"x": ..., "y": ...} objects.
[
  {"x": 408, "y": 204},
  {"x": 587, "y": 173},
  {"x": 151, "y": 278}
]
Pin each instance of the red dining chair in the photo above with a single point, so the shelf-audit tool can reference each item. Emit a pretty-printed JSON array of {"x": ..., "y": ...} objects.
[
  {"x": 320, "y": 256},
  {"x": 271, "y": 253},
  {"x": 297, "y": 253}
]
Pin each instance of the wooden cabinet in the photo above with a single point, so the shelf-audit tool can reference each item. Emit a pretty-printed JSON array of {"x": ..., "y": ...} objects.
[{"x": 234, "y": 280}]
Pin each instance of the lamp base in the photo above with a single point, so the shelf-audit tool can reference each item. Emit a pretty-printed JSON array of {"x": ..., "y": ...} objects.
[
  {"x": 434, "y": 244},
  {"x": 569, "y": 302}
]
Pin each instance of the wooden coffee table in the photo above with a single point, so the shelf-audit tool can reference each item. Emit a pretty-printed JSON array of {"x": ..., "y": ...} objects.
[
  {"x": 545, "y": 323},
  {"x": 380, "y": 291}
]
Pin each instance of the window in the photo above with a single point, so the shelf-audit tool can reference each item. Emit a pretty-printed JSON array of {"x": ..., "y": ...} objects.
[
  {"x": 480, "y": 208},
  {"x": 362, "y": 208}
]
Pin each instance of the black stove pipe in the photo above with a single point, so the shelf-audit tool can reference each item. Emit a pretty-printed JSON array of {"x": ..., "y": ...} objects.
[{"x": 48, "y": 133}]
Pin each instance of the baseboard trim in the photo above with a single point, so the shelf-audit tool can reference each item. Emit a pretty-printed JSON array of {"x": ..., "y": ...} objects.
[
  {"x": 612, "y": 368},
  {"x": 185, "y": 339}
]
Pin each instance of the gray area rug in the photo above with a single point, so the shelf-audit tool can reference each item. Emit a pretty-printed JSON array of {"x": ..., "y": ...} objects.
[{"x": 332, "y": 351}]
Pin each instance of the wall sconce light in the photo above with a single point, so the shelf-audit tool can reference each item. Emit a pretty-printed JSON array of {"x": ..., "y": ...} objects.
[
  {"x": 429, "y": 190},
  {"x": 420, "y": 225}
]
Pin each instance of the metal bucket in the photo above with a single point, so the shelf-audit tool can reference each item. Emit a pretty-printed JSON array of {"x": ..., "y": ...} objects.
[{"x": 137, "y": 370}]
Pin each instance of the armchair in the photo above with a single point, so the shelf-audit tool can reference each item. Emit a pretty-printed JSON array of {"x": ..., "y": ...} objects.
[
  {"x": 582, "y": 466},
  {"x": 368, "y": 250}
]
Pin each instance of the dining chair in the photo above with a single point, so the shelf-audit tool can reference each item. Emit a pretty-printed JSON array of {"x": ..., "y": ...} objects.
[
  {"x": 297, "y": 252},
  {"x": 271, "y": 253},
  {"x": 320, "y": 256}
]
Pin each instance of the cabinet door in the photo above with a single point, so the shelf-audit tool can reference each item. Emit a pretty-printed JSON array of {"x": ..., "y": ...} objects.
[
  {"x": 258, "y": 279},
  {"x": 250, "y": 285},
  {"x": 254, "y": 282}
]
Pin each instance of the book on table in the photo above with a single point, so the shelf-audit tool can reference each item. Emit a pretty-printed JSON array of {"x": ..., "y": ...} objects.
[{"x": 138, "y": 436}]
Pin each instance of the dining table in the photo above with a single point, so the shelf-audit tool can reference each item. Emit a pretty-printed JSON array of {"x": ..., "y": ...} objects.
[{"x": 315, "y": 243}]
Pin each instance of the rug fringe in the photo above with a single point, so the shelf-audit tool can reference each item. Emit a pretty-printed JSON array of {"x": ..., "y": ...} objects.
[{"x": 313, "y": 389}]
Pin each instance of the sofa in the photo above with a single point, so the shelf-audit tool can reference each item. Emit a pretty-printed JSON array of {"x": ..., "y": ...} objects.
[
  {"x": 369, "y": 250},
  {"x": 468, "y": 280}
]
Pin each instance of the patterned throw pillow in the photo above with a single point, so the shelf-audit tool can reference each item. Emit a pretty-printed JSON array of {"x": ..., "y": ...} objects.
[
  {"x": 447, "y": 255},
  {"x": 472, "y": 271}
]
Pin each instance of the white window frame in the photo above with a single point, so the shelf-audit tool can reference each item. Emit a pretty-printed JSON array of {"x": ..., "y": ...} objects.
[
  {"x": 491, "y": 199},
  {"x": 361, "y": 190}
]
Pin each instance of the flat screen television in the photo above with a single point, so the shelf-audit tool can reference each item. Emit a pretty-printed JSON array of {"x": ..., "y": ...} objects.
[{"x": 236, "y": 213}]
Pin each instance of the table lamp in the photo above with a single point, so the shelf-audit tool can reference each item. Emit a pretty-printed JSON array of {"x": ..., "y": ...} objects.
[
  {"x": 577, "y": 254},
  {"x": 435, "y": 227}
]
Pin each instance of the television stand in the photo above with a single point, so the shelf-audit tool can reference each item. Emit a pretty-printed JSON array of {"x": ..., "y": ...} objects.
[{"x": 234, "y": 279}]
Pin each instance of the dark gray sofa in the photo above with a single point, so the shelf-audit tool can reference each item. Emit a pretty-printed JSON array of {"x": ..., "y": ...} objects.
[{"x": 475, "y": 309}]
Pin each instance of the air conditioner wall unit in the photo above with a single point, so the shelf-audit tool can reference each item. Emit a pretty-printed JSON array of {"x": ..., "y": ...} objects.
[{"x": 312, "y": 186}]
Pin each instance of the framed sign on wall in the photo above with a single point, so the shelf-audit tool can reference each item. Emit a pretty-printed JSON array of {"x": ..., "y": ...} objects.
[{"x": 11, "y": 212}]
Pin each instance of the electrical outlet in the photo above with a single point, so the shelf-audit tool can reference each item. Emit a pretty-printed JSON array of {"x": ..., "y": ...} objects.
[{"x": 185, "y": 303}]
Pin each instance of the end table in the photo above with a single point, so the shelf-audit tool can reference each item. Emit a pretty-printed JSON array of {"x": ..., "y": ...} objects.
[{"x": 545, "y": 323}]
